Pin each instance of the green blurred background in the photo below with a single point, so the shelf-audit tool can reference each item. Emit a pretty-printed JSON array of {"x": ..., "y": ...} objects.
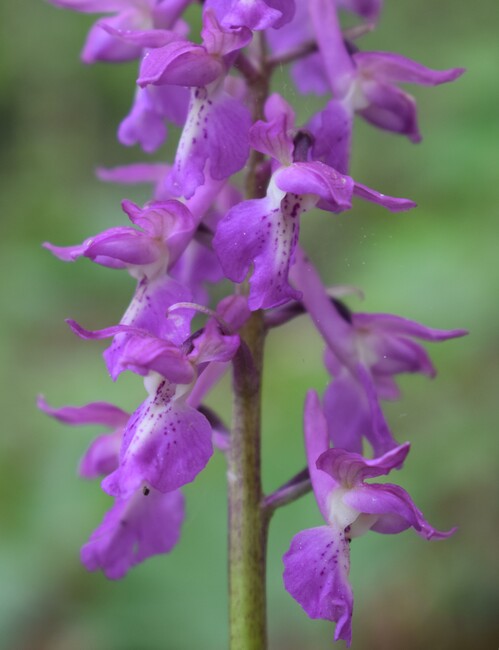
[{"x": 437, "y": 264}]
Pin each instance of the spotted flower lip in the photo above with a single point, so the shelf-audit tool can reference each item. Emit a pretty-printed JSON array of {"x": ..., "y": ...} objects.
[
  {"x": 264, "y": 232},
  {"x": 146, "y": 523},
  {"x": 167, "y": 441},
  {"x": 165, "y": 444},
  {"x": 317, "y": 564},
  {"x": 136, "y": 527}
]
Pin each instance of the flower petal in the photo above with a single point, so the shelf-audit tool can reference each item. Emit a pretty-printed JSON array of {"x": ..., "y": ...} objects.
[
  {"x": 316, "y": 443},
  {"x": 338, "y": 63},
  {"x": 166, "y": 444},
  {"x": 143, "y": 125},
  {"x": 368, "y": 9},
  {"x": 133, "y": 530},
  {"x": 94, "y": 413},
  {"x": 143, "y": 38},
  {"x": 390, "y": 108},
  {"x": 263, "y": 232},
  {"x": 317, "y": 178},
  {"x": 212, "y": 345},
  {"x": 180, "y": 63},
  {"x": 350, "y": 469},
  {"x": 216, "y": 130},
  {"x": 309, "y": 75},
  {"x": 272, "y": 137},
  {"x": 395, "y": 507},
  {"x": 397, "y": 325},
  {"x": 152, "y": 173},
  {"x": 397, "y": 354},
  {"x": 381, "y": 437},
  {"x": 219, "y": 41},
  {"x": 389, "y": 202},
  {"x": 316, "y": 569},
  {"x": 254, "y": 14},
  {"x": 102, "y": 456},
  {"x": 100, "y": 45},
  {"x": 92, "y": 6},
  {"x": 347, "y": 412},
  {"x": 393, "y": 68},
  {"x": 332, "y": 129},
  {"x": 114, "y": 248},
  {"x": 140, "y": 352}
]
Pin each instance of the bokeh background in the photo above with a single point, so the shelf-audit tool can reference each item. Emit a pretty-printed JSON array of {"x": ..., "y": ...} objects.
[{"x": 437, "y": 264}]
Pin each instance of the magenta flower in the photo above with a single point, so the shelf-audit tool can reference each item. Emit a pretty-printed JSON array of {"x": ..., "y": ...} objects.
[
  {"x": 148, "y": 254},
  {"x": 364, "y": 353},
  {"x": 366, "y": 82},
  {"x": 134, "y": 528},
  {"x": 167, "y": 442},
  {"x": 135, "y": 25},
  {"x": 165, "y": 229},
  {"x": 317, "y": 563},
  {"x": 382, "y": 346},
  {"x": 217, "y": 122},
  {"x": 265, "y": 232}
]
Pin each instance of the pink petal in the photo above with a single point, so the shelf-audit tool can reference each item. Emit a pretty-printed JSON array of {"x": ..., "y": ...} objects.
[
  {"x": 133, "y": 530},
  {"x": 316, "y": 569}
]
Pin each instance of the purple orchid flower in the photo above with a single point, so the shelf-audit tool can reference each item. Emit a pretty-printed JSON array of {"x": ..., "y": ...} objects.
[
  {"x": 135, "y": 528},
  {"x": 308, "y": 71},
  {"x": 299, "y": 32},
  {"x": 148, "y": 254},
  {"x": 364, "y": 352},
  {"x": 382, "y": 346},
  {"x": 136, "y": 24},
  {"x": 166, "y": 228},
  {"x": 317, "y": 563},
  {"x": 365, "y": 82},
  {"x": 167, "y": 442},
  {"x": 217, "y": 125},
  {"x": 147, "y": 523},
  {"x": 265, "y": 232},
  {"x": 253, "y": 14}
]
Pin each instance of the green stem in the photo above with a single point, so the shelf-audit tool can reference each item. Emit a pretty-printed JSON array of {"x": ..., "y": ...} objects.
[{"x": 247, "y": 518}]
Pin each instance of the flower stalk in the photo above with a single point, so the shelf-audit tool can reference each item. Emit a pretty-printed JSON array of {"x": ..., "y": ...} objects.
[{"x": 248, "y": 524}]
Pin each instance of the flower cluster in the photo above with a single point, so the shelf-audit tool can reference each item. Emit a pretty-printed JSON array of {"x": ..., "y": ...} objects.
[{"x": 199, "y": 229}]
